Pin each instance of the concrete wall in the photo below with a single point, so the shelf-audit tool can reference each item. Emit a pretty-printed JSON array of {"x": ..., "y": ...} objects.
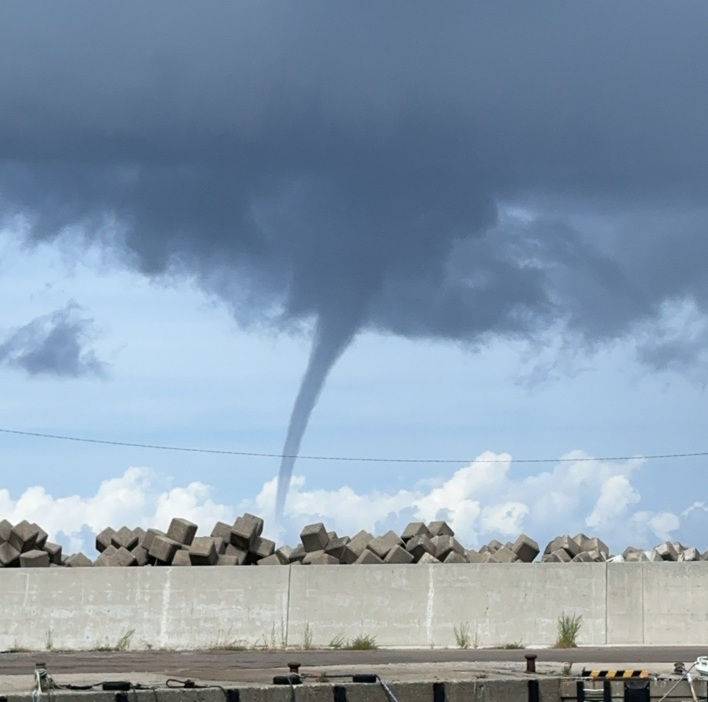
[{"x": 419, "y": 606}]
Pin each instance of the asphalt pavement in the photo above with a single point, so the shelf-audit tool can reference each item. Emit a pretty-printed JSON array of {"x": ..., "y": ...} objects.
[{"x": 253, "y": 666}]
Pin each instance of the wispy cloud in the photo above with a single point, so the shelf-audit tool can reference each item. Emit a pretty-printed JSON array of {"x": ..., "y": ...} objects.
[{"x": 54, "y": 344}]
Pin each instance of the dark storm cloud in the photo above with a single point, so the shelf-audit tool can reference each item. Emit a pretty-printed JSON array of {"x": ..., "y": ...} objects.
[
  {"x": 351, "y": 164},
  {"x": 316, "y": 156},
  {"x": 53, "y": 344}
]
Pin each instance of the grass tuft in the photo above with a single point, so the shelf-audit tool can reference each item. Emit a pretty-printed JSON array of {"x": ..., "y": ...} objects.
[
  {"x": 568, "y": 628},
  {"x": 338, "y": 642},
  {"x": 362, "y": 643},
  {"x": 462, "y": 635}
]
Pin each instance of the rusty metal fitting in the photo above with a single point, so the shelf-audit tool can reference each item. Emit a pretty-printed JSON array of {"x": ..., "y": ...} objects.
[
  {"x": 294, "y": 668},
  {"x": 530, "y": 662}
]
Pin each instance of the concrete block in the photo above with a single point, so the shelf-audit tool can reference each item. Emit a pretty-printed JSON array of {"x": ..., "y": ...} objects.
[
  {"x": 262, "y": 548},
  {"x": 124, "y": 538},
  {"x": 494, "y": 545},
  {"x": 667, "y": 551},
  {"x": 309, "y": 555},
  {"x": 78, "y": 560},
  {"x": 583, "y": 557},
  {"x": 689, "y": 555},
  {"x": 5, "y": 531},
  {"x": 227, "y": 560},
  {"x": 104, "y": 539},
  {"x": 597, "y": 556},
  {"x": 141, "y": 555},
  {"x": 9, "y": 555},
  {"x": 564, "y": 542},
  {"x": 595, "y": 544},
  {"x": 219, "y": 543},
  {"x": 616, "y": 559},
  {"x": 222, "y": 530},
  {"x": 124, "y": 558},
  {"x": 203, "y": 551},
  {"x": 633, "y": 555},
  {"x": 239, "y": 554},
  {"x": 332, "y": 535},
  {"x": 245, "y": 529},
  {"x": 182, "y": 558},
  {"x": 381, "y": 545},
  {"x": 297, "y": 554},
  {"x": 505, "y": 555},
  {"x": 314, "y": 537},
  {"x": 581, "y": 539},
  {"x": 398, "y": 554},
  {"x": 560, "y": 555},
  {"x": 322, "y": 559},
  {"x": 455, "y": 557},
  {"x": 139, "y": 534},
  {"x": 367, "y": 557},
  {"x": 113, "y": 557},
  {"x": 54, "y": 551},
  {"x": 150, "y": 534},
  {"x": 42, "y": 536},
  {"x": 280, "y": 556},
  {"x": 163, "y": 548},
  {"x": 104, "y": 559},
  {"x": 360, "y": 541},
  {"x": 414, "y": 529},
  {"x": 34, "y": 559},
  {"x": 339, "y": 548},
  {"x": 444, "y": 545},
  {"x": 418, "y": 545},
  {"x": 440, "y": 529},
  {"x": 182, "y": 531},
  {"x": 271, "y": 560},
  {"x": 23, "y": 536},
  {"x": 427, "y": 559},
  {"x": 526, "y": 549},
  {"x": 652, "y": 556},
  {"x": 678, "y": 547}
]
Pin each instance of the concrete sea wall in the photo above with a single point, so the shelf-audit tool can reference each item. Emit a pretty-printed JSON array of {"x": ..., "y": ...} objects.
[{"x": 402, "y": 606}]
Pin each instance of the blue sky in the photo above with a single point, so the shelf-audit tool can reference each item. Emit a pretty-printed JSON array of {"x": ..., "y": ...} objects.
[
  {"x": 179, "y": 372},
  {"x": 484, "y": 231}
]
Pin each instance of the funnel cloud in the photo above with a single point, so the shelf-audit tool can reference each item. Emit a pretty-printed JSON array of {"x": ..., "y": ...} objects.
[{"x": 490, "y": 172}]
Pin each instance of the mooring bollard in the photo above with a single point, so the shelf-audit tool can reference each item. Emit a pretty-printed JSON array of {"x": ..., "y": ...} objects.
[{"x": 530, "y": 662}]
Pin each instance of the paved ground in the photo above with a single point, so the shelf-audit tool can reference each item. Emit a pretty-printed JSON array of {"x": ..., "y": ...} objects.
[{"x": 259, "y": 667}]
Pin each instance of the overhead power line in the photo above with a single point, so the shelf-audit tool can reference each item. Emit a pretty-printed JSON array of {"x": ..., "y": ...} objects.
[{"x": 353, "y": 459}]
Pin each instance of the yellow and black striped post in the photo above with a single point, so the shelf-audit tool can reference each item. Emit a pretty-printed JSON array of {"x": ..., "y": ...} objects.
[{"x": 629, "y": 674}]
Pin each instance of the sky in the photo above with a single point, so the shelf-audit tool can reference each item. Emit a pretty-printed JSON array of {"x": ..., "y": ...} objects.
[{"x": 453, "y": 241}]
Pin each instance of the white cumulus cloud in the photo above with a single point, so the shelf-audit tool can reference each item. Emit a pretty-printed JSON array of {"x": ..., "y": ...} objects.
[{"x": 490, "y": 498}]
